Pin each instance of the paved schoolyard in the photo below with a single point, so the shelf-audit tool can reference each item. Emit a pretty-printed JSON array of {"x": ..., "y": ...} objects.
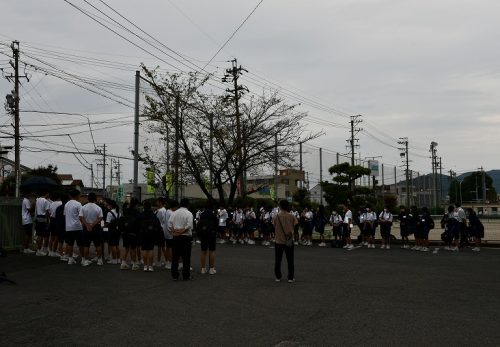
[{"x": 358, "y": 298}]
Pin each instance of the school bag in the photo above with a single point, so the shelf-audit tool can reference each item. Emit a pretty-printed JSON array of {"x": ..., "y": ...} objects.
[{"x": 206, "y": 224}]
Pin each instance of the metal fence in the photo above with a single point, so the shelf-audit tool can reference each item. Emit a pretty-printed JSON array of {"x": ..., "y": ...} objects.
[{"x": 10, "y": 224}]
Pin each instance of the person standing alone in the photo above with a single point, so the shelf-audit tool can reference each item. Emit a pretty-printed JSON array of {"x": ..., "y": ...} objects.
[
  {"x": 181, "y": 226},
  {"x": 284, "y": 223}
]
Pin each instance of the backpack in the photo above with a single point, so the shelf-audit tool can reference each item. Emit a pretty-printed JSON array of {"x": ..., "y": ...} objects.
[
  {"x": 206, "y": 226},
  {"x": 113, "y": 225},
  {"x": 430, "y": 222},
  {"x": 150, "y": 224},
  {"x": 127, "y": 223}
]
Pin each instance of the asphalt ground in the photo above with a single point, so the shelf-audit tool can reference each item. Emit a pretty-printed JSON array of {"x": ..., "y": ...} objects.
[{"x": 364, "y": 297}]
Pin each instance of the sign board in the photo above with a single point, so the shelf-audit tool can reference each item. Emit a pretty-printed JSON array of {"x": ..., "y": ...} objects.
[
  {"x": 150, "y": 177},
  {"x": 373, "y": 166}
]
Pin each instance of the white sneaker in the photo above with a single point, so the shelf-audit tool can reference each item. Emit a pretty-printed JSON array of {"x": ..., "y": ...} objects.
[
  {"x": 124, "y": 266},
  {"x": 424, "y": 249},
  {"x": 94, "y": 260},
  {"x": 145, "y": 269},
  {"x": 212, "y": 271},
  {"x": 65, "y": 258},
  {"x": 203, "y": 270},
  {"x": 242, "y": 242},
  {"x": 446, "y": 248},
  {"x": 39, "y": 253},
  {"x": 111, "y": 261},
  {"x": 99, "y": 262},
  {"x": 295, "y": 243},
  {"x": 382, "y": 247},
  {"x": 388, "y": 247},
  {"x": 86, "y": 262},
  {"x": 151, "y": 269},
  {"x": 222, "y": 241},
  {"x": 476, "y": 249},
  {"x": 309, "y": 243},
  {"x": 71, "y": 260},
  {"x": 168, "y": 265},
  {"x": 346, "y": 246},
  {"x": 180, "y": 267},
  {"x": 135, "y": 266},
  {"x": 322, "y": 244},
  {"x": 365, "y": 243},
  {"x": 454, "y": 249},
  {"x": 28, "y": 251},
  {"x": 351, "y": 246},
  {"x": 251, "y": 242}
]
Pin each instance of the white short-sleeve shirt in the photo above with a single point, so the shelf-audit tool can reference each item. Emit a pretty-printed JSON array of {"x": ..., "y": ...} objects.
[
  {"x": 53, "y": 207},
  {"x": 91, "y": 212},
  {"x": 41, "y": 206},
  {"x": 72, "y": 215},
  {"x": 25, "y": 212}
]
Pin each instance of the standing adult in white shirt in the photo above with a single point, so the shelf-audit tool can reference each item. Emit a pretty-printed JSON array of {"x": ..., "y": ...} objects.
[
  {"x": 91, "y": 216},
  {"x": 27, "y": 221},
  {"x": 74, "y": 228},
  {"x": 42, "y": 205},
  {"x": 181, "y": 226}
]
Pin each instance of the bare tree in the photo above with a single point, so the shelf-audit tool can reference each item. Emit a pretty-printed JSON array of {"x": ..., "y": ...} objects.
[{"x": 203, "y": 126}]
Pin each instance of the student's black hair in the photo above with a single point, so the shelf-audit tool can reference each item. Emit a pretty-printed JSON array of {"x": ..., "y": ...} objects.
[
  {"x": 457, "y": 204},
  {"x": 184, "y": 202},
  {"x": 451, "y": 208},
  {"x": 54, "y": 196},
  {"x": 74, "y": 193},
  {"x": 64, "y": 198},
  {"x": 425, "y": 210},
  {"x": 173, "y": 203},
  {"x": 146, "y": 205},
  {"x": 285, "y": 205},
  {"x": 92, "y": 197},
  {"x": 162, "y": 200}
]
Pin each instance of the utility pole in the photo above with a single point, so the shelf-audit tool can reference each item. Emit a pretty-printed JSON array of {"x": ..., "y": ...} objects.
[
  {"x": 136, "y": 135},
  {"x": 301, "y": 182},
  {"x": 276, "y": 167},
  {"x": 103, "y": 152},
  {"x": 119, "y": 172},
  {"x": 176, "y": 147},
  {"x": 92, "y": 176},
  {"x": 433, "y": 151},
  {"x": 13, "y": 105},
  {"x": 355, "y": 121},
  {"x": 404, "y": 154},
  {"x": 440, "y": 180},
  {"x": 320, "y": 176},
  {"x": 211, "y": 153},
  {"x": 234, "y": 73},
  {"x": 111, "y": 167}
]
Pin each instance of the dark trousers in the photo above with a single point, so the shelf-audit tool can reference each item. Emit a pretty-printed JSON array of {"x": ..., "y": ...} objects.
[
  {"x": 278, "y": 253},
  {"x": 181, "y": 248}
]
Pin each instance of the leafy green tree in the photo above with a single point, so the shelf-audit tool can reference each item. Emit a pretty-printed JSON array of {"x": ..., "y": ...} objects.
[
  {"x": 468, "y": 188},
  {"x": 342, "y": 190},
  {"x": 8, "y": 186}
]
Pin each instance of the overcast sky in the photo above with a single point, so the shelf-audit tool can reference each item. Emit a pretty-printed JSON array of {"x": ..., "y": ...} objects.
[{"x": 426, "y": 70}]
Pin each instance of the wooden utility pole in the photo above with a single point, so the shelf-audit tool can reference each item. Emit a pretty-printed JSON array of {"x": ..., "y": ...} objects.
[{"x": 234, "y": 73}]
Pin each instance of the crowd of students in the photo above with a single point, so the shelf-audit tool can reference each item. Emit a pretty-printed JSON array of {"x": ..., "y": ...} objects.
[{"x": 162, "y": 235}]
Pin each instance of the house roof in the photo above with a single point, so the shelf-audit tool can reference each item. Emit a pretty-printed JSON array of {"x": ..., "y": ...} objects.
[
  {"x": 65, "y": 177},
  {"x": 7, "y": 161}
]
